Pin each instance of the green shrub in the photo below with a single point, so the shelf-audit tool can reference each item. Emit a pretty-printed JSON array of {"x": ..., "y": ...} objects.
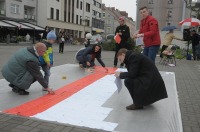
[{"x": 109, "y": 45}]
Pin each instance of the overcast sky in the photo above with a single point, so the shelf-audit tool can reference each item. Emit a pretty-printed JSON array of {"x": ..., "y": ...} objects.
[{"x": 123, "y": 5}]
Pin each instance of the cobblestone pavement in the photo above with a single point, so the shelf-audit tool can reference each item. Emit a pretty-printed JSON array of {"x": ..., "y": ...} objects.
[{"x": 187, "y": 80}]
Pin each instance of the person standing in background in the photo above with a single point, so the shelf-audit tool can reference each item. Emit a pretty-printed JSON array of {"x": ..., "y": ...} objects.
[
  {"x": 46, "y": 31},
  {"x": 195, "y": 42},
  {"x": 124, "y": 32},
  {"x": 61, "y": 40},
  {"x": 27, "y": 37},
  {"x": 149, "y": 30}
]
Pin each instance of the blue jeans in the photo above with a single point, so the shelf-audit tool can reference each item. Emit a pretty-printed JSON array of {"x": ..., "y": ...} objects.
[
  {"x": 151, "y": 52},
  {"x": 47, "y": 72},
  {"x": 83, "y": 61}
]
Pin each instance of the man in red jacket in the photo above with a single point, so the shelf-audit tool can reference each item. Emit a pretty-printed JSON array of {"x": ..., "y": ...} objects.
[{"x": 149, "y": 30}]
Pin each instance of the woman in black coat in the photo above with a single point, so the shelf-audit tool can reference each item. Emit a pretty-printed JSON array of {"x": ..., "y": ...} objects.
[
  {"x": 87, "y": 56},
  {"x": 142, "y": 80}
]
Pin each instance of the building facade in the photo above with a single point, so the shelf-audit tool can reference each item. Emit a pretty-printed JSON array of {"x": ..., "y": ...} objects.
[
  {"x": 19, "y": 9},
  {"x": 111, "y": 19},
  {"x": 76, "y": 17}
]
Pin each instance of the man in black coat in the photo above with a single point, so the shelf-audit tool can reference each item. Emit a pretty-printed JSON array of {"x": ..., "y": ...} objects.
[{"x": 142, "y": 80}]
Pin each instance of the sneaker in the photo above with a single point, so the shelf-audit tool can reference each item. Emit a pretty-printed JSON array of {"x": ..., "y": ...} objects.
[{"x": 134, "y": 107}]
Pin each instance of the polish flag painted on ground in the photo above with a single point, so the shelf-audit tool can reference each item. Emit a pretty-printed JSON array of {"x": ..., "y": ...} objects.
[{"x": 78, "y": 103}]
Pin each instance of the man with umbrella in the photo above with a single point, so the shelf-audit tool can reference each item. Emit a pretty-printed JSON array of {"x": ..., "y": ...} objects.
[{"x": 168, "y": 38}]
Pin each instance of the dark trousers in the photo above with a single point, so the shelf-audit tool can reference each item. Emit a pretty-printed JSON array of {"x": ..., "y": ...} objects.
[
  {"x": 194, "y": 52},
  {"x": 83, "y": 60},
  {"x": 137, "y": 94},
  {"x": 61, "y": 47}
]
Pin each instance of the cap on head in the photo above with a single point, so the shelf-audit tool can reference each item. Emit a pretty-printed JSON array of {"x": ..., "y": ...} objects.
[
  {"x": 121, "y": 18},
  {"x": 51, "y": 35}
]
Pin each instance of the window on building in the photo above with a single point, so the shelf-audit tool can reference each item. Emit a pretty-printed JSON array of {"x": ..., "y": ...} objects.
[
  {"x": 58, "y": 0},
  {"x": 108, "y": 22},
  {"x": 80, "y": 20},
  {"x": 150, "y": 12},
  {"x": 150, "y": 2},
  {"x": 87, "y": 7},
  {"x": 169, "y": 14},
  {"x": 81, "y": 5},
  {"x": 51, "y": 13},
  {"x": 94, "y": 2},
  {"x": 104, "y": 14},
  {"x": 76, "y": 19},
  {"x": 14, "y": 8},
  {"x": 57, "y": 14},
  {"x": 77, "y": 4},
  {"x": 25, "y": 11},
  {"x": 108, "y": 30},
  {"x": 170, "y": 1}
]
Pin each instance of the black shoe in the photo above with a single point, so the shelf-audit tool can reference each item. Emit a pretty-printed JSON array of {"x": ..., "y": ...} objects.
[
  {"x": 134, "y": 107},
  {"x": 18, "y": 90},
  {"x": 15, "y": 90},
  {"x": 11, "y": 85},
  {"x": 23, "y": 92}
]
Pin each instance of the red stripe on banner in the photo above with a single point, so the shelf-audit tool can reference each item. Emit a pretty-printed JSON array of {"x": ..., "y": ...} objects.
[{"x": 43, "y": 103}]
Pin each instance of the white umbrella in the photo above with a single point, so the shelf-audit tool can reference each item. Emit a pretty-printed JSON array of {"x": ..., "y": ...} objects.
[{"x": 190, "y": 22}]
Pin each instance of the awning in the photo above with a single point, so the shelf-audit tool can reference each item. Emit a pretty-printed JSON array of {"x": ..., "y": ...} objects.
[
  {"x": 32, "y": 26},
  {"x": 16, "y": 24},
  {"x": 3, "y": 24}
]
